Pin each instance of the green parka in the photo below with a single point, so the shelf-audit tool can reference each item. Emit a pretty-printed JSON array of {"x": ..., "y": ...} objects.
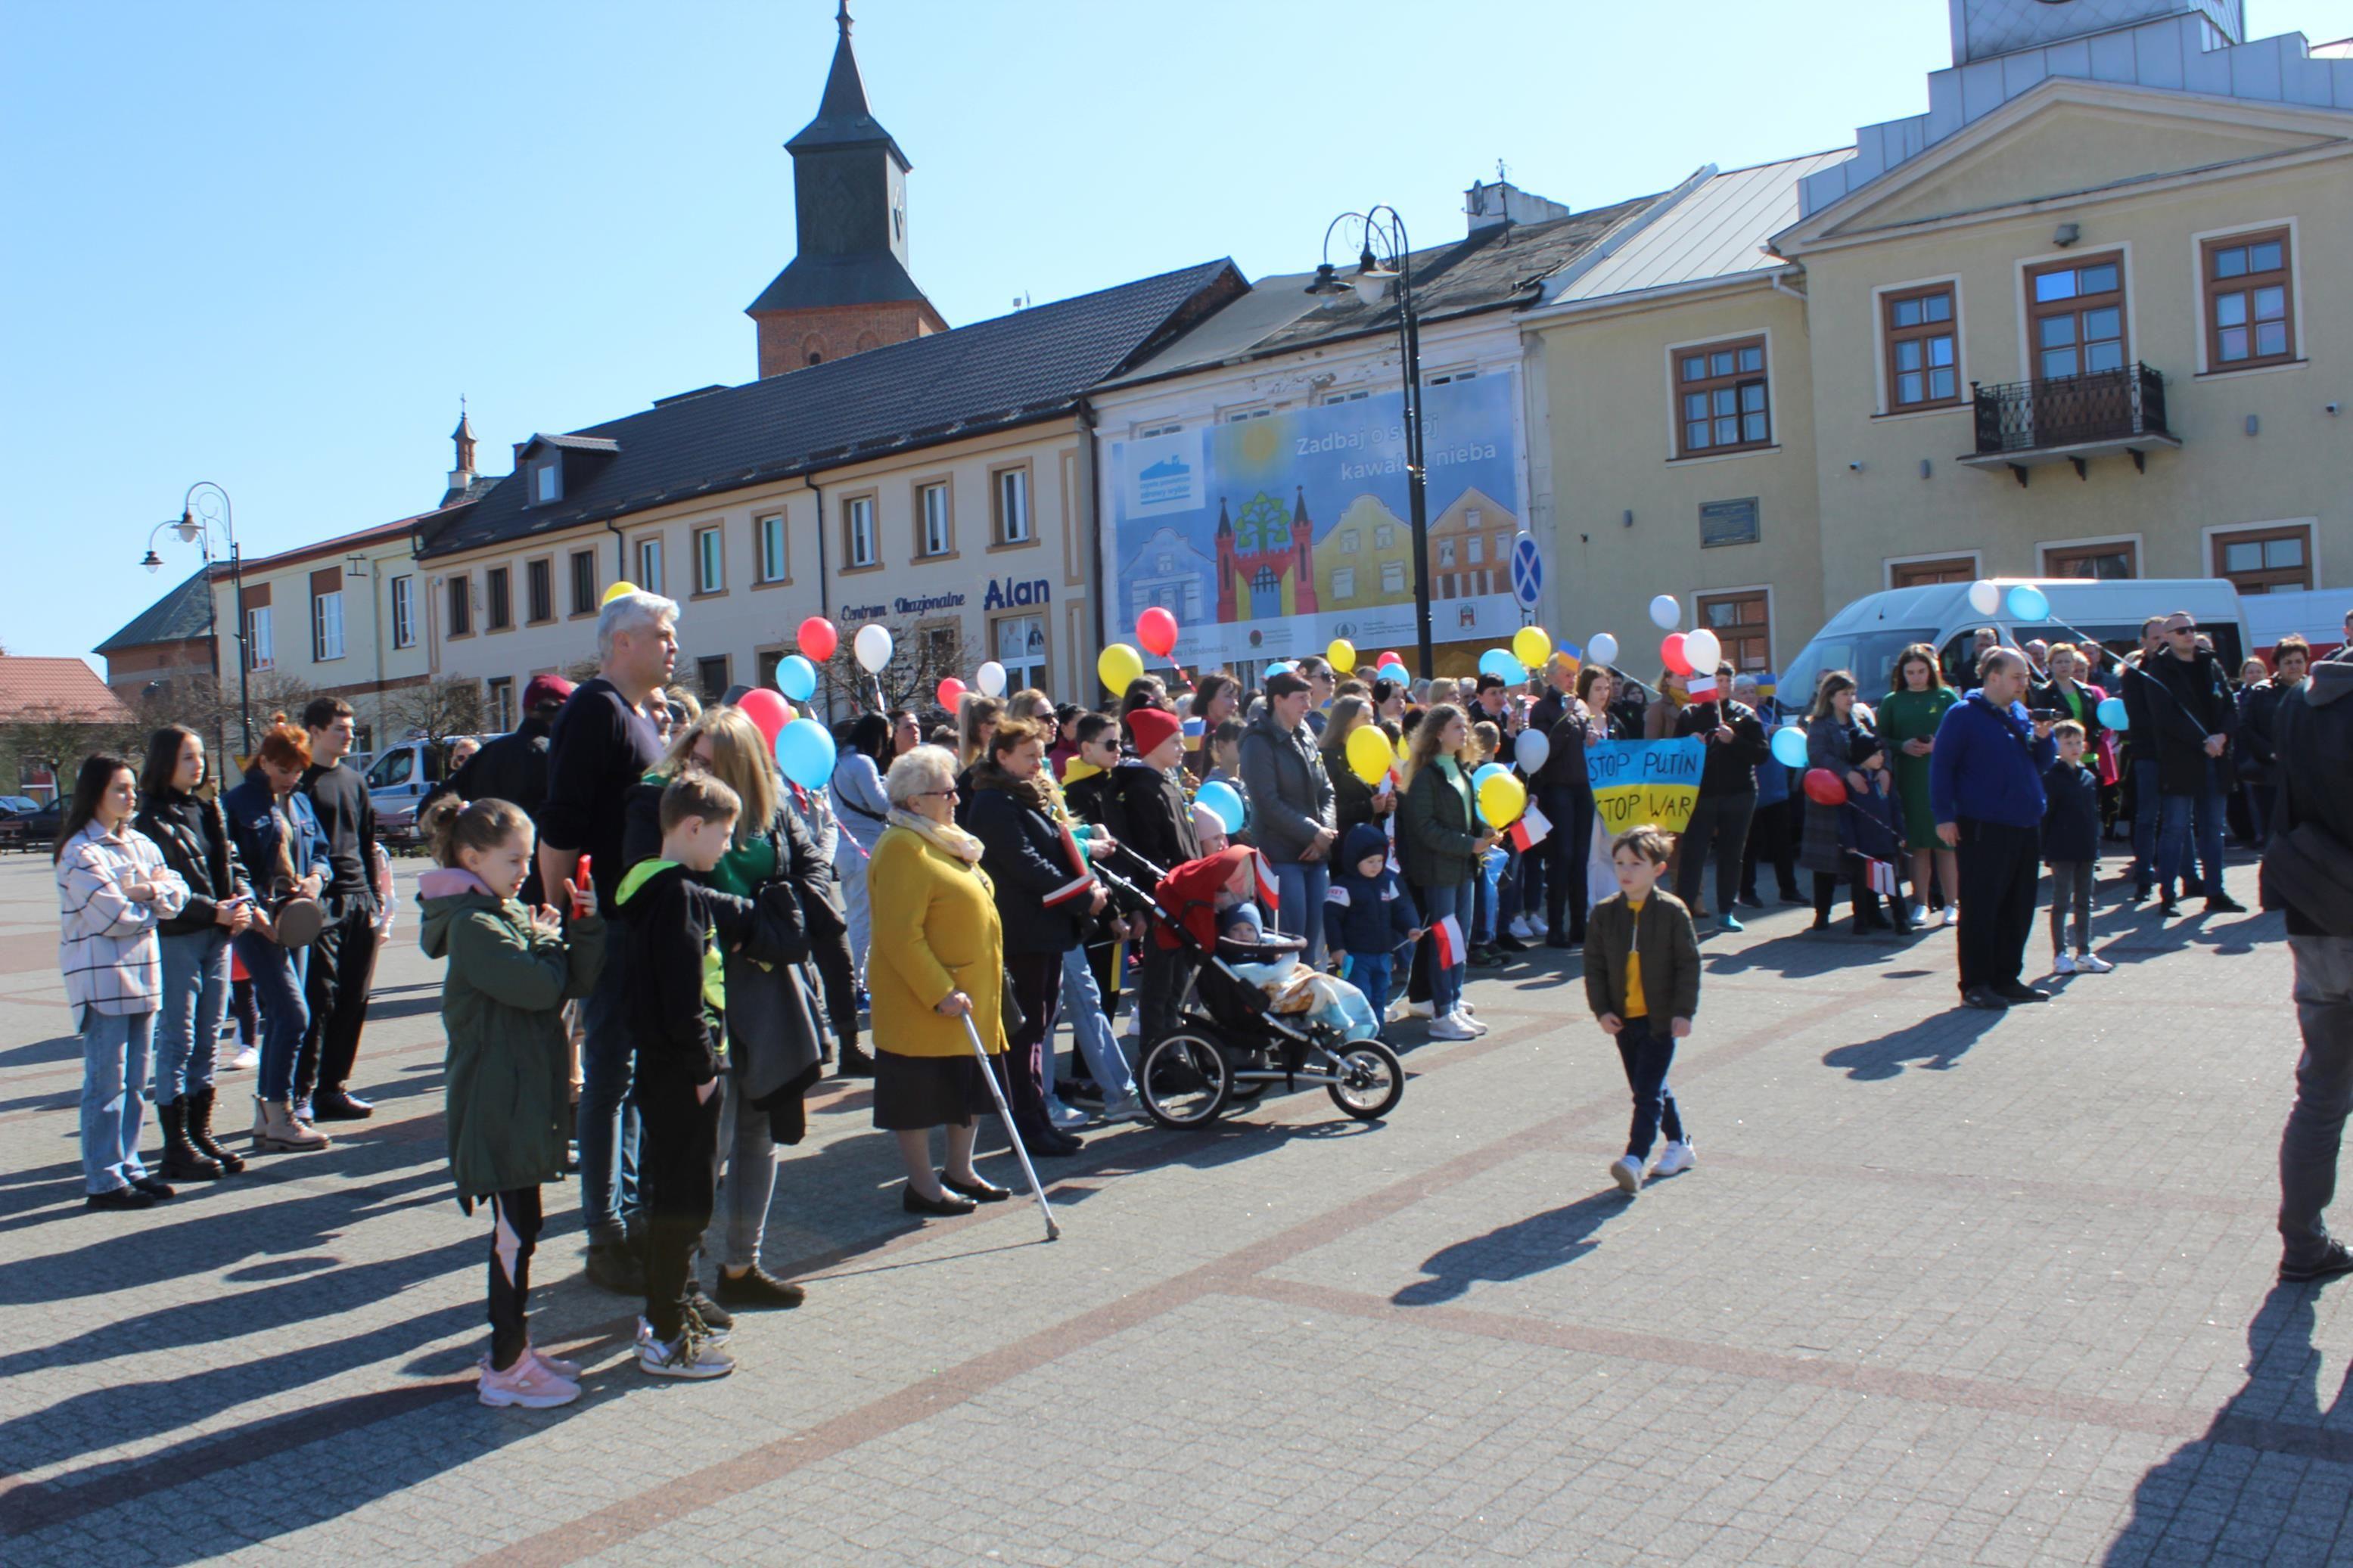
[{"x": 508, "y": 1069}]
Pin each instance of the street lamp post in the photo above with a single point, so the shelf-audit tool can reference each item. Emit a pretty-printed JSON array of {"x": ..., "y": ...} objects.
[
  {"x": 1372, "y": 276},
  {"x": 205, "y": 505}
]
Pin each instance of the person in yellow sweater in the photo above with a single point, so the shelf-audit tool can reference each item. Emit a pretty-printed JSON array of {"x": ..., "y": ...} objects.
[{"x": 1642, "y": 980}]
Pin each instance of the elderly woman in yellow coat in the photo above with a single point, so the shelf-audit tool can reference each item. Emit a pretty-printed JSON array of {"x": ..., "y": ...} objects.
[{"x": 937, "y": 955}]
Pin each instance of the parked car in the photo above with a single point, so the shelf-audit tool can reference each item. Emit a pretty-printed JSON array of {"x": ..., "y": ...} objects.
[
  {"x": 34, "y": 829},
  {"x": 14, "y": 809},
  {"x": 399, "y": 778}
]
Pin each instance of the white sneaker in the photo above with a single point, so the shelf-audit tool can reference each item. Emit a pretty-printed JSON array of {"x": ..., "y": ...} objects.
[
  {"x": 1463, "y": 1016},
  {"x": 1952, "y": 914},
  {"x": 1627, "y": 1172},
  {"x": 1417, "y": 1010},
  {"x": 2090, "y": 963},
  {"x": 530, "y": 1383},
  {"x": 1452, "y": 1027},
  {"x": 1063, "y": 1117},
  {"x": 2063, "y": 964},
  {"x": 246, "y": 1060},
  {"x": 1674, "y": 1159},
  {"x": 1467, "y": 1010},
  {"x": 686, "y": 1356},
  {"x": 1524, "y": 929},
  {"x": 1919, "y": 917}
]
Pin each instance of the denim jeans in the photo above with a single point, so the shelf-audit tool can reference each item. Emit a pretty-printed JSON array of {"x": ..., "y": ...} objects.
[
  {"x": 740, "y": 1216},
  {"x": 1303, "y": 887},
  {"x": 117, "y": 1049},
  {"x": 1370, "y": 974},
  {"x": 2323, "y": 1093},
  {"x": 195, "y": 1000},
  {"x": 606, "y": 1121},
  {"x": 1646, "y": 1048},
  {"x": 1445, "y": 980},
  {"x": 1090, "y": 1033},
  {"x": 2145, "y": 813},
  {"x": 285, "y": 1017},
  {"x": 1486, "y": 899},
  {"x": 2175, "y": 832}
]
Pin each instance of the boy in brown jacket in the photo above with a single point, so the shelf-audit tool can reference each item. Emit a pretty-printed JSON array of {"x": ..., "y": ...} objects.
[{"x": 1642, "y": 980}]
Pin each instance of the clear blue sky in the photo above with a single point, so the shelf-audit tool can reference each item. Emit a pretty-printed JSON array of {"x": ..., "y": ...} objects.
[{"x": 270, "y": 244}]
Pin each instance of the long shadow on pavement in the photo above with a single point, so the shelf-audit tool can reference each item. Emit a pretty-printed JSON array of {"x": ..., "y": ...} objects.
[
  {"x": 1515, "y": 1251},
  {"x": 1935, "y": 1043}
]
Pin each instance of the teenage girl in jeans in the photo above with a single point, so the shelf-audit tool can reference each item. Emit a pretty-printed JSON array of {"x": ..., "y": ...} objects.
[
  {"x": 1439, "y": 844},
  {"x": 285, "y": 852}
]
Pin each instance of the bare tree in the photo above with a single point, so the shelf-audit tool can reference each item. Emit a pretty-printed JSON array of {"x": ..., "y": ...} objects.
[
  {"x": 434, "y": 709},
  {"x": 923, "y": 654},
  {"x": 59, "y": 738}
]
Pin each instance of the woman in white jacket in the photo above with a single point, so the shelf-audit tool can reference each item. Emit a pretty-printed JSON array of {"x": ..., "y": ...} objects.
[
  {"x": 113, "y": 888},
  {"x": 863, "y": 810}
]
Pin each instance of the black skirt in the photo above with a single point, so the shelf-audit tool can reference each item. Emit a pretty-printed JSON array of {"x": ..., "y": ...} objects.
[{"x": 912, "y": 1093}]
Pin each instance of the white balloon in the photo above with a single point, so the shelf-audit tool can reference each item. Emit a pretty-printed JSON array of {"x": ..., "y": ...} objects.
[
  {"x": 1665, "y": 611},
  {"x": 1602, "y": 649},
  {"x": 872, "y": 647},
  {"x": 1702, "y": 649},
  {"x": 990, "y": 679},
  {"x": 1984, "y": 597},
  {"x": 1531, "y": 749}
]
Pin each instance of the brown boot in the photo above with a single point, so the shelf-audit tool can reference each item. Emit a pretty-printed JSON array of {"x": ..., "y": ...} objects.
[
  {"x": 200, "y": 1131},
  {"x": 284, "y": 1133}
]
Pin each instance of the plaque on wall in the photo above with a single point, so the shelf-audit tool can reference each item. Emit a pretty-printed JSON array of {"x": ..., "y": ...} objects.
[{"x": 1727, "y": 523}]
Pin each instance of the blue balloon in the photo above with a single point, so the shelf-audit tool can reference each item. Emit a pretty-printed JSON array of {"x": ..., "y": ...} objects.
[
  {"x": 1487, "y": 771},
  {"x": 805, "y": 751},
  {"x": 2029, "y": 603},
  {"x": 2111, "y": 713},
  {"x": 1502, "y": 663},
  {"x": 1280, "y": 666},
  {"x": 796, "y": 678},
  {"x": 1393, "y": 672},
  {"x": 1789, "y": 746},
  {"x": 1220, "y": 797}
]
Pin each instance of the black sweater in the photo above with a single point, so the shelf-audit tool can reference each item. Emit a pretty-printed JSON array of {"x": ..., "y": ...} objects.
[
  {"x": 1730, "y": 767},
  {"x": 340, "y": 797},
  {"x": 672, "y": 922},
  {"x": 599, "y": 747}
]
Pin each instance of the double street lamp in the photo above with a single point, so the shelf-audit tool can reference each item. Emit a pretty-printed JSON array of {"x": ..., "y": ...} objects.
[
  {"x": 1375, "y": 270},
  {"x": 204, "y": 506}
]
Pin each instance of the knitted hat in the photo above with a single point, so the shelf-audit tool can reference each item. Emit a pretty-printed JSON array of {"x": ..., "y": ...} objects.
[
  {"x": 1151, "y": 726},
  {"x": 1208, "y": 824},
  {"x": 546, "y": 688}
]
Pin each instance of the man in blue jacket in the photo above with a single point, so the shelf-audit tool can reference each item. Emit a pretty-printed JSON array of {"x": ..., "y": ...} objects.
[{"x": 1985, "y": 782}]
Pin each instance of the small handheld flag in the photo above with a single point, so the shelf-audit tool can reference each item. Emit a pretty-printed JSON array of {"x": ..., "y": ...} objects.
[
  {"x": 1530, "y": 829},
  {"x": 1452, "y": 950}
]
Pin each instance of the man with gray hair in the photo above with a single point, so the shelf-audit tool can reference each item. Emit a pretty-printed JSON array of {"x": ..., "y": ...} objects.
[
  {"x": 602, "y": 743},
  {"x": 1985, "y": 781}
]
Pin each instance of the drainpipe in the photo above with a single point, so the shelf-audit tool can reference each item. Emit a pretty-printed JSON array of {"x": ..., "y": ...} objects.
[
  {"x": 620, "y": 553},
  {"x": 1099, "y": 578},
  {"x": 1805, "y": 303}
]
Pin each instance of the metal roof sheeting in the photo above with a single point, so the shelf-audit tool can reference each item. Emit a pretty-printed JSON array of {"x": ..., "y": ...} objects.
[{"x": 1716, "y": 231}]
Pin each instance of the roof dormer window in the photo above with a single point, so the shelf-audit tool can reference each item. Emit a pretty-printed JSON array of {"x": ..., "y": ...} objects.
[{"x": 546, "y": 480}]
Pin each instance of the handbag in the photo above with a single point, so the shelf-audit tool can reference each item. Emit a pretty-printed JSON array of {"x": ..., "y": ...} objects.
[
  {"x": 1009, "y": 1014},
  {"x": 297, "y": 922}
]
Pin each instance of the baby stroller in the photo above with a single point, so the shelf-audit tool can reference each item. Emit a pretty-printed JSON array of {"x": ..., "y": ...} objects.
[{"x": 1231, "y": 1042}]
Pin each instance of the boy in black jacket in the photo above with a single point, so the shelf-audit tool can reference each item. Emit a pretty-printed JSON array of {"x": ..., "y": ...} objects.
[
  {"x": 1368, "y": 917},
  {"x": 2071, "y": 846}
]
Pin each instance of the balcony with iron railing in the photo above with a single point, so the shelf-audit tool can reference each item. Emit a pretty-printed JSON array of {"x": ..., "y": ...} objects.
[{"x": 2070, "y": 419}]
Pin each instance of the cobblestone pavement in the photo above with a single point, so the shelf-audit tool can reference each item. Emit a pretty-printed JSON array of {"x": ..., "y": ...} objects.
[{"x": 1945, "y": 1288}]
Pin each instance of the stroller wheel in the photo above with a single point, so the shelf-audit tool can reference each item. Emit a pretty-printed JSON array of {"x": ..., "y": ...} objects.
[
  {"x": 1184, "y": 1080},
  {"x": 1372, "y": 1080}
]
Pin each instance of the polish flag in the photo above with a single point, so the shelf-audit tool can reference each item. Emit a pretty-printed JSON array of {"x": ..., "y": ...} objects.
[
  {"x": 1702, "y": 685},
  {"x": 1530, "y": 829},
  {"x": 1267, "y": 889},
  {"x": 1881, "y": 875},
  {"x": 1452, "y": 949}
]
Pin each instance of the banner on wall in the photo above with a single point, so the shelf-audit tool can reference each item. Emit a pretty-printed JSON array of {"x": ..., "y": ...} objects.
[
  {"x": 1635, "y": 782},
  {"x": 1268, "y": 537}
]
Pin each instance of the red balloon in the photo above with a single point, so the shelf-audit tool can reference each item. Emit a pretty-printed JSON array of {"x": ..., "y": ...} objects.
[
  {"x": 1671, "y": 651},
  {"x": 1825, "y": 787},
  {"x": 1391, "y": 657},
  {"x": 817, "y": 639},
  {"x": 952, "y": 693},
  {"x": 1155, "y": 629},
  {"x": 767, "y": 711}
]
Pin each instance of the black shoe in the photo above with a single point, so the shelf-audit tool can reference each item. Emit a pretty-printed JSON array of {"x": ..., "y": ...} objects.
[
  {"x": 1060, "y": 1148},
  {"x": 2224, "y": 904},
  {"x": 756, "y": 1287},
  {"x": 946, "y": 1206},
  {"x": 1796, "y": 900},
  {"x": 156, "y": 1187},
  {"x": 200, "y": 1132},
  {"x": 2334, "y": 1261},
  {"x": 2011, "y": 990},
  {"x": 119, "y": 1198},
  {"x": 855, "y": 1063},
  {"x": 977, "y": 1191},
  {"x": 2168, "y": 908},
  {"x": 339, "y": 1105},
  {"x": 710, "y": 1314},
  {"x": 613, "y": 1267},
  {"x": 1559, "y": 939},
  {"x": 2141, "y": 891},
  {"x": 1979, "y": 998},
  {"x": 1821, "y": 922},
  {"x": 1509, "y": 942}
]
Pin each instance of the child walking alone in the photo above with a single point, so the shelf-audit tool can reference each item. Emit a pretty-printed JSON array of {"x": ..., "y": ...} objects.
[
  {"x": 510, "y": 1062},
  {"x": 1642, "y": 980},
  {"x": 2071, "y": 845}
]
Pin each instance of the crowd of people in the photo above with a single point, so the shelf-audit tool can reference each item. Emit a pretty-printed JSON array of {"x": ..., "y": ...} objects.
[{"x": 953, "y": 883}]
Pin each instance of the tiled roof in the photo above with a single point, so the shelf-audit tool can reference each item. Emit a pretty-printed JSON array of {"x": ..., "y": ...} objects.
[
  {"x": 1019, "y": 369},
  {"x": 183, "y": 613},
  {"x": 1714, "y": 230},
  {"x": 56, "y": 688}
]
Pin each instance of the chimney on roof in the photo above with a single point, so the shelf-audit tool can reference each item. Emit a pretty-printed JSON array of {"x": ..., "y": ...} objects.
[
  {"x": 462, "y": 476},
  {"x": 1490, "y": 203}
]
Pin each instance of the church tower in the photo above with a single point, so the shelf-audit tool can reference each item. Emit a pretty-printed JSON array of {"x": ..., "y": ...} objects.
[{"x": 846, "y": 289}]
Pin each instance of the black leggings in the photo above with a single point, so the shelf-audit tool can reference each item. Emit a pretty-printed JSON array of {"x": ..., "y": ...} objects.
[
  {"x": 830, "y": 952},
  {"x": 514, "y": 1229}
]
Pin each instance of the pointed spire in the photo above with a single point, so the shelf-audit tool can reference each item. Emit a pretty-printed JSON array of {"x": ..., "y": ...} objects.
[{"x": 843, "y": 118}]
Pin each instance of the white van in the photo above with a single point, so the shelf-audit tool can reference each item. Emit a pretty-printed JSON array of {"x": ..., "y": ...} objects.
[{"x": 1866, "y": 635}]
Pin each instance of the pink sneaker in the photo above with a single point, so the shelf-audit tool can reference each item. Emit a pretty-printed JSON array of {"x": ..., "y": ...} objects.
[
  {"x": 569, "y": 1370},
  {"x": 529, "y": 1384}
]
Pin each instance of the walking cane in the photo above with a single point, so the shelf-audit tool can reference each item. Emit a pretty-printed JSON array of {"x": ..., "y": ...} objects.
[{"x": 1005, "y": 1113}]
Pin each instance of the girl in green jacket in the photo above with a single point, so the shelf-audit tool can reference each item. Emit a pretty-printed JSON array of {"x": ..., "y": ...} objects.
[{"x": 509, "y": 1068}]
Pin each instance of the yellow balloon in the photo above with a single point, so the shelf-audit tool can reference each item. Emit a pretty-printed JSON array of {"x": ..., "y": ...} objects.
[
  {"x": 1369, "y": 754},
  {"x": 617, "y": 590},
  {"x": 1343, "y": 655},
  {"x": 1502, "y": 799},
  {"x": 1531, "y": 647},
  {"x": 1119, "y": 666}
]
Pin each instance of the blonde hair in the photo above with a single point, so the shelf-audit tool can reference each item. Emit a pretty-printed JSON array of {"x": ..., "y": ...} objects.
[
  {"x": 1426, "y": 737},
  {"x": 739, "y": 759}
]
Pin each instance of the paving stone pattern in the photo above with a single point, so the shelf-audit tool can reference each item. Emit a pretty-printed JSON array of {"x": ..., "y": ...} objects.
[{"x": 1945, "y": 1288}]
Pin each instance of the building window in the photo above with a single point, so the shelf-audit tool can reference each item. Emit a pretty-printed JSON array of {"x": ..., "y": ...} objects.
[
  {"x": 1446, "y": 378},
  {"x": 497, "y": 694},
  {"x": 584, "y": 582},
  {"x": 858, "y": 530},
  {"x": 1145, "y": 431},
  {"x": 931, "y": 533},
  {"x": 1392, "y": 576},
  {"x": 650, "y": 565},
  {"x": 771, "y": 549},
  {"x": 498, "y": 607},
  {"x": 2107, "y": 560},
  {"x": 1356, "y": 395},
  {"x": 1020, "y": 642},
  {"x": 709, "y": 561},
  {"x": 1923, "y": 367},
  {"x": 710, "y": 675},
  {"x": 1236, "y": 416},
  {"x": 539, "y": 589},
  {"x": 1720, "y": 398},
  {"x": 257, "y": 637},
  {"x": 404, "y": 612},
  {"x": 2265, "y": 560},
  {"x": 461, "y": 608},
  {"x": 1384, "y": 536},
  {"x": 2075, "y": 317},
  {"x": 546, "y": 481},
  {"x": 1344, "y": 583},
  {"x": 1923, "y": 573},
  {"x": 2250, "y": 301},
  {"x": 1012, "y": 521},
  {"x": 1476, "y": 550},
  {"x": 1742, "y": 623},
  {"x": 1446, "y": 552}
]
